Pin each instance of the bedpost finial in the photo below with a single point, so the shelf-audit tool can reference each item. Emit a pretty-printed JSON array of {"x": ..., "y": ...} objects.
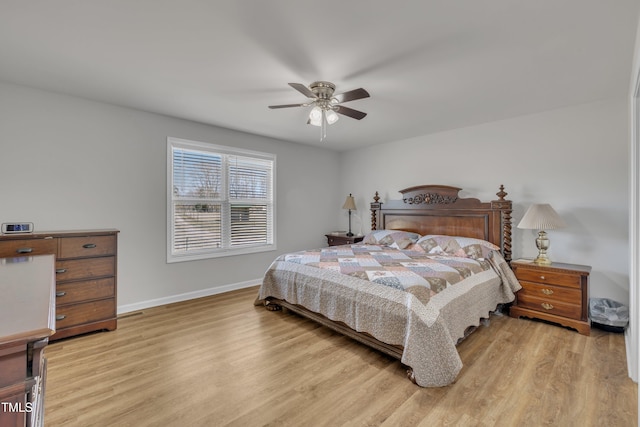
[
  {"x": 376, "y": 198},
  {"x": 501, "y": 194}
]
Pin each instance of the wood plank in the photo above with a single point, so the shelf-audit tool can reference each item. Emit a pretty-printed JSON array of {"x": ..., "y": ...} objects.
[{"x": 221, "y": 361}]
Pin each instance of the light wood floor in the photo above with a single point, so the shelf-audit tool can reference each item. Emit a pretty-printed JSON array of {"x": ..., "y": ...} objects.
[{"x": 221, "y": 361}]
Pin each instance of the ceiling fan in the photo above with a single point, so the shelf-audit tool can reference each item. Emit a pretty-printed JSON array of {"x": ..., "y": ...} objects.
[{"x": 326, "y": 105}]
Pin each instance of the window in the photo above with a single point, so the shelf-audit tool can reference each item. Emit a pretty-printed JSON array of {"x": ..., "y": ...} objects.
[{"x": 221, "y": 201}]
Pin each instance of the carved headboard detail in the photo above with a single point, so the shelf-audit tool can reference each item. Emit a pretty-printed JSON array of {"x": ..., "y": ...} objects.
[{"x": 438, "y": 209}]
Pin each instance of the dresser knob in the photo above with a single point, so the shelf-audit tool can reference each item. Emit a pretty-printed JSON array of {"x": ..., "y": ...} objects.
[
  {"x": 60, "y": 316},
  {"x": 542, "y": 277},
  {"x": 546, "y": 306},
  {"x": 60, "y": 294},
  {"x": 547, "y": 291}
]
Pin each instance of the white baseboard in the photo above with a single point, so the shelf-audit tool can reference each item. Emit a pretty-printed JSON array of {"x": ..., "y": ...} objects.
[{"x": 127, "y": 308}]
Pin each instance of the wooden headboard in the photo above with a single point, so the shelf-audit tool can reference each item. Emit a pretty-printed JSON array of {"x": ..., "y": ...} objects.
[{"x": 437, "y": 209}]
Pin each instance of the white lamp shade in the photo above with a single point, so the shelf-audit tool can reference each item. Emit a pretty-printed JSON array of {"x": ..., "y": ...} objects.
[
  {"x": 315, "y": 116},
  {"x": 541, "y": 217},
  {"x": 332, "y": 117},
  {"x": 350, "y": 203}
]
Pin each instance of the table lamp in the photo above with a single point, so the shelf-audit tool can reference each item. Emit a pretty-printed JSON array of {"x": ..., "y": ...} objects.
[
  {"x": 350, "y": 204},
  {"x": 541, "y": 217}
]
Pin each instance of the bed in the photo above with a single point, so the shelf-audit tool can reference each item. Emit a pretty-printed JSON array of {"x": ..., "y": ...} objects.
[{"x": 432, "y": 268}]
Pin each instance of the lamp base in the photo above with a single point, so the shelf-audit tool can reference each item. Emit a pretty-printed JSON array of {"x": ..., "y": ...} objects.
[
  {"x": 542, "y": 260},
  {"x": 349, "y": 234},
  {"x": 542, "y": 243}
]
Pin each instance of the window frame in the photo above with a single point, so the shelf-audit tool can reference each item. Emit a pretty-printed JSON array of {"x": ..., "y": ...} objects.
[{"x": 226, "y": 202}]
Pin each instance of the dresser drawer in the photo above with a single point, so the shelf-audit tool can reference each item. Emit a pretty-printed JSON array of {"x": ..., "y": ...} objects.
[
  {"x": 551, "y": 293},
  {"x": 89, "y": 246},
  {"x": 14, "y": 248},
  {"x": 85, "y": 268},
  {"x": 545, "y": 305},
  {"x": 13, "y": 360},
  {"x": 87, "y": 312},
  {"x": 72, "y": 292},
  {"x": 560, "y": 279}
]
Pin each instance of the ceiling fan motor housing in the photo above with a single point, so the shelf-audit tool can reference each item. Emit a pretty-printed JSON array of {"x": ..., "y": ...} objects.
[{"x": 323, "y": 90}]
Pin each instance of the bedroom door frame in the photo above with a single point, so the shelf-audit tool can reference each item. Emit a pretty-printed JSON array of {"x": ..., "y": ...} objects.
[{"x": 634, "y": 226}]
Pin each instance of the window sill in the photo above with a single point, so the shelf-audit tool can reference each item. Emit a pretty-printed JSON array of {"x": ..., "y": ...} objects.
[{"x": 171, "y": 258}]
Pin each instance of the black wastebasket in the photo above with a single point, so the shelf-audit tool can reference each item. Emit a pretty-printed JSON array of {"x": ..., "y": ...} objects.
[{"x": 608, "y": 314}]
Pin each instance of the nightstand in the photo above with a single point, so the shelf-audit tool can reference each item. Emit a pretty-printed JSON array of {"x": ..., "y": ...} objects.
[
  {"x": 335, "y": 239},
  {"x": 557, "y": 293}
]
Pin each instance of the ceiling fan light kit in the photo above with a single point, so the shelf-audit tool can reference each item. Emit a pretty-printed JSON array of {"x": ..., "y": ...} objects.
[{"x": 326, "y": 106}]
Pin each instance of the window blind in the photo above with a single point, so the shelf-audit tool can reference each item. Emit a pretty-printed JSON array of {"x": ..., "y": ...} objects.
[{"x": 221, "y": 201}]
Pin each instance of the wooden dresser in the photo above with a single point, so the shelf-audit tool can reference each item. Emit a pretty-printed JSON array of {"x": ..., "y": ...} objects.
[
  {"x": 557, "y": 293},
  {"x": 27, "y": 310},
  {"x": 86, "y": 275}
]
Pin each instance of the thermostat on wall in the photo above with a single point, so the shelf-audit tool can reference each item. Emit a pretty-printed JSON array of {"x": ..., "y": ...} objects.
[{"x": 17, "y": 227}]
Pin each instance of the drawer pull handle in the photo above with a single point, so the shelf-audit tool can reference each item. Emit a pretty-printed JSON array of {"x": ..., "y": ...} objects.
[
  {"x": 24, "y": 250},
  {"x": 61, "y": 270},
  {"x": 547, "y": 291},
  {"x": 61, "y": 294},
  {"x": 546, "y": 306},
  {"x": 542, "y": 277},
  {"x": 60, "y": 316},
  {"x": 89, "y": 246}
]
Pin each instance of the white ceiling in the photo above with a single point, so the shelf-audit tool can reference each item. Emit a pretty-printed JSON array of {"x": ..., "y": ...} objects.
[{"x": 429, "y": 65}]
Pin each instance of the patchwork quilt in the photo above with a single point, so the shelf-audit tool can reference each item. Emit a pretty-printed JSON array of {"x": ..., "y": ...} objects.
[
  {"x": 421, "y": 302},
  {"x": 412, "y": 271}
]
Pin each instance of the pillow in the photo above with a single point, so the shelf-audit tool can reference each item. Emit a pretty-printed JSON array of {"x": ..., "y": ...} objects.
[
  {"x": 466, "y": 247},
  {"x": 393, "y": 238}
]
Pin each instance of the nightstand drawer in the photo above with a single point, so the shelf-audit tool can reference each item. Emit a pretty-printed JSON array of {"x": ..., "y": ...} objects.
[
  {"x": 551, "y": 293},
  {"x": 559, "y": 279},
  {"x": 337, "y": 239},
  {"x": 549, "y": 306}
]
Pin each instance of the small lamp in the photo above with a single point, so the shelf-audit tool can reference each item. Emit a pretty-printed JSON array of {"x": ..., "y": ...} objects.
[
  {"x": 350, "y": 204},
  {"x": 541, "y": 217}
]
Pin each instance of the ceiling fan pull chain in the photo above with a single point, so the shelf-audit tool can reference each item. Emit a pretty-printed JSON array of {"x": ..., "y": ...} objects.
[{"x": 323, "y": 126}]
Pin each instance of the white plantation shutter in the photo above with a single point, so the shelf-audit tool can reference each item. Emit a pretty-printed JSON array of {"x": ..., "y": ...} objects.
[
  {"x": 196, "y": 174},
  {"x": 249, "y": 193},
  {"x": 221, "y": 201},
  {"x": 249, "y": 225}
]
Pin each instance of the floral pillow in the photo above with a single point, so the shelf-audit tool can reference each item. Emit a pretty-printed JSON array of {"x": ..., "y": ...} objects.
[
  {"x": 392, "y": 238},
  {"x": 466, "y": 247}
]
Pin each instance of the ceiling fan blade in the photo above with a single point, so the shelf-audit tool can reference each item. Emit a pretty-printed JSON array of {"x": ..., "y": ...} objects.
[
  {"x": 287, "y": 105},
  {"x": 303, "y": 90},
  {"x": 352, "y": 95},
  {"x": 350, "y": 112}
]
